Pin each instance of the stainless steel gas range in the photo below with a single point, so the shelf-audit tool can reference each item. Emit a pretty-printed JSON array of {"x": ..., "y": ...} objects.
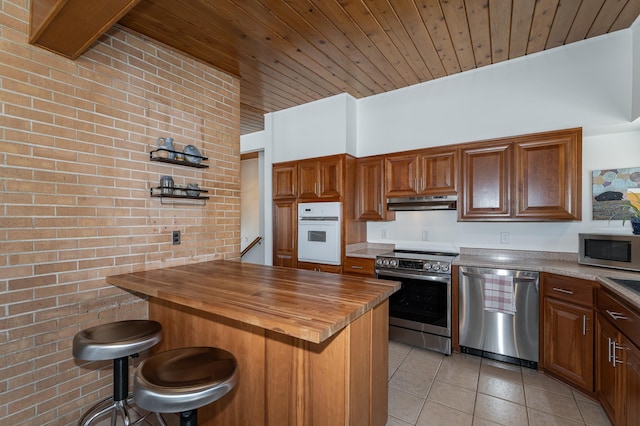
[{"x": 420, "y": 312}]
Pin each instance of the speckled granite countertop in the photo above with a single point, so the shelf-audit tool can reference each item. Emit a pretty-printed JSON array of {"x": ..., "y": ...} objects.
[
  {"x": 368, "y": 250},
  {"x": 552, "y": 262}
]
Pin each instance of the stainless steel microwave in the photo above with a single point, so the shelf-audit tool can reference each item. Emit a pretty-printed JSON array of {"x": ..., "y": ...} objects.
[{"x": 611, "y": 251}]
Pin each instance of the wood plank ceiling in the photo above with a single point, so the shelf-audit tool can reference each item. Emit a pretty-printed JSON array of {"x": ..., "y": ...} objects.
[{"x": 290, "y": 52}]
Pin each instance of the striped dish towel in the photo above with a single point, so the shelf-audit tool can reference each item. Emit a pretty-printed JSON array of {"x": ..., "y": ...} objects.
[{"x": 498, "y": 294}]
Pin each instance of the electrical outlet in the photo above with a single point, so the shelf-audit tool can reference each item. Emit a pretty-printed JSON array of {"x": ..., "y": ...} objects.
[
  {"x": 504, "y": 238},
  {"x": 175, "y": 235}
]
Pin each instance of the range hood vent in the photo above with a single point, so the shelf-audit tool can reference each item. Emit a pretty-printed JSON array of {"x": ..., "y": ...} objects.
[{"x": 427, "y": 202}]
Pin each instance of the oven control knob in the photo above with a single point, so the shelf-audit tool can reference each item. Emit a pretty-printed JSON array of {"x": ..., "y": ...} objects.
[
  {"x": 378, "y": 262},
  {"x": 385, "y": 262},
  {"x": 445, "y": 268},
  {"x": 436, "y": 267},
  {"x": 393, "y": 263},
  {"x": 427, "y": 266}
]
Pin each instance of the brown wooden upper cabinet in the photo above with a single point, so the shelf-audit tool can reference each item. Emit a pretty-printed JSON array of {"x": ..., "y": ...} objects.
[
  {"x": 485, "y": 179},
  {"x": 548, "y": 176},
  {"x": 285, "y": 176},
  {"x": 526, "y": 178},
  {"x": 371, "y": 204},
  {"x": 430, "y": 172},
  {"x": 320, "y": 178}
]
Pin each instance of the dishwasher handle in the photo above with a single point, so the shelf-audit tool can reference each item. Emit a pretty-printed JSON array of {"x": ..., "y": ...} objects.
[{"x": 515, "y": 278}]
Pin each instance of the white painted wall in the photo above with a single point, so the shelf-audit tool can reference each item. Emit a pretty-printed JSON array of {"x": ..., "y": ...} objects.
[
  {"x": 584, "y": 84},
  {"x": 253, "y": 142},
  {"x": 316, "y": 129}
]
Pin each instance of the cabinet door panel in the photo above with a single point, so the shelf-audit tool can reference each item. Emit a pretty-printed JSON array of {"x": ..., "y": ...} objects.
[
  {"x": 284, "y": 181},
  {"x": 568, "y": 342},
  {"x": 330, "y": 183},
  {"x": 485, "y": 177},
  {"x": 548, "y": 177},
  {"x": 438, "y": 173},
  {"x": 401, "y": 175},
  {"x": 632, "y": 385},
  {"x": 284, "y": 233},
  {"x": 371, "y": 203},
  {"x": 308, "y": 175},
  {"x": 607, "y": 377}
]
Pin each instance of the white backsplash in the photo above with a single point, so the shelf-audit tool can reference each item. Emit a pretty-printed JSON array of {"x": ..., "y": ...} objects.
[{"x": 444, "y": 232}]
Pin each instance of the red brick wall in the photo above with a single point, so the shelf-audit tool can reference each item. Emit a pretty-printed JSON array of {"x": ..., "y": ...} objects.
[{"x": 75, "y": 175}]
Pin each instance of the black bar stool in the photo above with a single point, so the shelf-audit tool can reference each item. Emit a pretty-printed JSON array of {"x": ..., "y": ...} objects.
[
  {"x": 183, "y": 380},
  {"x": 117, "y": 341}
]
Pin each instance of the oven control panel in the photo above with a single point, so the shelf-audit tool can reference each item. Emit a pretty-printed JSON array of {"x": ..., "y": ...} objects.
[{"x": 413, "y": 265}]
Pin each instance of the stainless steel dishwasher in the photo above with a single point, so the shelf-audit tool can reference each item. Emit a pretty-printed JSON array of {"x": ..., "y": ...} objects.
[{"x": 498, "y": 314}]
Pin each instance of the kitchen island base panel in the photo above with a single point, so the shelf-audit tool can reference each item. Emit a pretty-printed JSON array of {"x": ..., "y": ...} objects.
[{"x": 285, "y": 380}]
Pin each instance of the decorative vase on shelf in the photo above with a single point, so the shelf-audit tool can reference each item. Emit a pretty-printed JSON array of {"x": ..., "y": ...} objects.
[
  {"x": 167, "y": 143},
  {"x": 635, "y": 225}
]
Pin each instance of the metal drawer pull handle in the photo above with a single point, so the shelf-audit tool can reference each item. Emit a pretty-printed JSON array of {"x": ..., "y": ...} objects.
[
  {"x": 615, "y": 358},
  {"x": 584, "y": 325},
  {"x": 609, "y": 347},
  {"x": 356, "y": 267},
  {"x": 561, "y": 290},
  {"x": 616, "y": 315}
]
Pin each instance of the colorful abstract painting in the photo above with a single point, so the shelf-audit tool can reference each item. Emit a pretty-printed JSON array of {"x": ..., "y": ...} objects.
[{"x": 610, "y": 201}]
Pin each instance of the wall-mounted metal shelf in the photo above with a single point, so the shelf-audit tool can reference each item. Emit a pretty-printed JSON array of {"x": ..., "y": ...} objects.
[
  {"x": 162, "y": 155},
  {"x": 179, "y": 195}
]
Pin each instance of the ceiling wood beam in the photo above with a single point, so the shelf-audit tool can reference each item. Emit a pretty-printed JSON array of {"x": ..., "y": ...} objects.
[{"x": 69, "y": 27}]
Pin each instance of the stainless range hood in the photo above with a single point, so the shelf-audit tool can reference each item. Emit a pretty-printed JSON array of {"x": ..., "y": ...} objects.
[{"x": 427, "y": 202}]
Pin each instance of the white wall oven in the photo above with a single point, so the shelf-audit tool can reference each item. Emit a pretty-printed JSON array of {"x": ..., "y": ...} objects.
[{"x": 319, "y": 232}]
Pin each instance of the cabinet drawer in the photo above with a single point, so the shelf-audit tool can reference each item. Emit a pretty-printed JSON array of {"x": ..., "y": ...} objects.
[
  {"x": 573, "y": 290},
  {"x": 320, "y": 267},
  {"x": 359, "y": 266},
  {"x": 616, "y": 312}
]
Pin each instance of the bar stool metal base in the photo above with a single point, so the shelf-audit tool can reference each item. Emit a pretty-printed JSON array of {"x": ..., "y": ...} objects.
[
  {"x": 120, "y": 409},
  {"x": 105, "y": 406}
]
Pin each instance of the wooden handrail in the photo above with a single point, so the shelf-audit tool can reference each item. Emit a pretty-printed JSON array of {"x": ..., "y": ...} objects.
[{"x": 250, "y": 246}]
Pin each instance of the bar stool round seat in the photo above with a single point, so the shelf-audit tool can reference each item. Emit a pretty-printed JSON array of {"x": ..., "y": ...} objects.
[
  {"x": 117, "y": 341},
  {"x": 183, "y": 380}
]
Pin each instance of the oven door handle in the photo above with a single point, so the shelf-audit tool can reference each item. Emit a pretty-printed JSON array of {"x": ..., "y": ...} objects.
[
  {"x": 312, "y": 220},
  {"x": 434, "y": 278}
]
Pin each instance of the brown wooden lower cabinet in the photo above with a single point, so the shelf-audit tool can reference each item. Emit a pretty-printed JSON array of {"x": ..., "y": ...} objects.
[
  {"x": 618, "y": 360},
  {"x": 359, "y": 266},
  {"x": 606, "y": 374},
  {"x": 320, "y": 267},
  {"x": 568, "y": 329},
  {"x": 285, "y": 216},
  {"x": 632, "y": 386},
  {"x": 568, "y": 342}
]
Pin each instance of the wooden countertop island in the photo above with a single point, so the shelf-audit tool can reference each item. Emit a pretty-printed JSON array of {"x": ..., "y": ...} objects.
[{"x": 312, "y": 347}]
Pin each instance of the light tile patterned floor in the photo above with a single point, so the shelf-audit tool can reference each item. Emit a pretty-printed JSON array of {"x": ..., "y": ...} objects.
[{"x": 427, "y": 388}]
